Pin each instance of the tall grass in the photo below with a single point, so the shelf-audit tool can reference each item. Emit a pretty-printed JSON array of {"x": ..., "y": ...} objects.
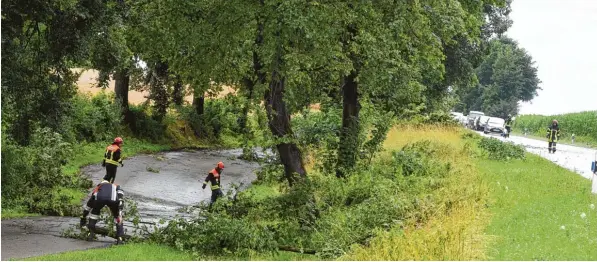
[
  {"x": 583, "y": 125},
  {"x": 456, "y": 229}
]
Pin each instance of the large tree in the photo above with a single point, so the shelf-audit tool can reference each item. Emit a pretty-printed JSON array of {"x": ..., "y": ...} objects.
[
  {"x": 507, "y": 76},
  {"x": 404, "y": 56},
  {"x": 38, "y": 51}
]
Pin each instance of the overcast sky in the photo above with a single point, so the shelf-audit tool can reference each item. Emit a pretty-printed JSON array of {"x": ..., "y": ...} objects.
[{"x": 561, "y": 36}]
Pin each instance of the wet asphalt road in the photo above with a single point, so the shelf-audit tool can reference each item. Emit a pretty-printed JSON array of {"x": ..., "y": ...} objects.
[{"x": 158, "y": 195}]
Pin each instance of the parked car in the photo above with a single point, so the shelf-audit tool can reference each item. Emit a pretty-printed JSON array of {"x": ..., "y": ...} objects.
[
  {"x": 472, "y": 116},
  {"x": 456, "y": 115},
  {"x": 494, "y": 125},
  {"x": 481, "y": 122},
  {"x": 463, "y": 120}
]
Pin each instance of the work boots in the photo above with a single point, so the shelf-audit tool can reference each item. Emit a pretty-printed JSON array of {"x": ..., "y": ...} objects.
[{"x": 91, "y": 227}]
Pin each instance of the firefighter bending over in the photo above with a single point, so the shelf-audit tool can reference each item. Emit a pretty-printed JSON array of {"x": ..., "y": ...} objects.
[{"x": 104, "y": 194}]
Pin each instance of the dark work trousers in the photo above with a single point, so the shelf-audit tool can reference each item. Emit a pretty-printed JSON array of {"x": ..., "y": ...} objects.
[
  {"x": 552, "y": 147},
  {"x": 110, "y": 173},
  {"x": 96, "y": 207},
  {"x": 214, "y": 196}
]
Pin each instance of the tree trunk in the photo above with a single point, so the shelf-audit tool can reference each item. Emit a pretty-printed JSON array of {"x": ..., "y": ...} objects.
[
  {"x": 249, "y": 85},
  {"x": 349, "y": 142},
  {"x": 279, "y": 124},
  {"x": 159, "y": 90},
  {"x": 248, "y": 82},
  {"x": 177, "y": 93},
  {"x": 121, "y": 89},
  {"x": 199, "y": 101}
]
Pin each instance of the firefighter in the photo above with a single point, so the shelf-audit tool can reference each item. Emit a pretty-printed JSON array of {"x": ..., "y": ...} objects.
[
  {"x": 113, "y": 158},
  {"x": 508, "y": 125},
  {"x": 214, "y": 178},
  {"x": 553, "y": 134},
  {"x": 104, "y": 194}
]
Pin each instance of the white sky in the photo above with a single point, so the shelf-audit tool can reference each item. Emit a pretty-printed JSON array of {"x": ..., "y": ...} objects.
[{"x": 561, "y": 36}]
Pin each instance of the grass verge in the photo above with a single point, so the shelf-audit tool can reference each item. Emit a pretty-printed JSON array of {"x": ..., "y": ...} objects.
[
  {"x": 540, "y": 211},
  {"x": 129, "y": 252},
  {"x": 11, "y": 213}
]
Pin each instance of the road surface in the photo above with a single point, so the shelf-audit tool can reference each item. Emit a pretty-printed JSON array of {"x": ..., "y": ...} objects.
[{"x": 574, "y": 158}]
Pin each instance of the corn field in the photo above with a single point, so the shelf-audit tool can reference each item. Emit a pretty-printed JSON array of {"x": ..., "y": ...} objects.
[{"x": 582, "y": 124}]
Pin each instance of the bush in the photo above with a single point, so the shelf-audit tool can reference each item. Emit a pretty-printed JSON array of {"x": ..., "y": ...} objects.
[
  {"x": 220, "y": 116},
  {"x": 215, "y": 235},
  {"x": 33, "y": 175},
  {"x": 499, "y": 150},
  {"x": 143, "y": 125},
  {"x": 94, "y": 118}
]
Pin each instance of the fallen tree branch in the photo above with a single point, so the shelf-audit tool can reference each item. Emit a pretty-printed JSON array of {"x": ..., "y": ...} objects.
[
  {"x": 297, "y": 250},
  {"x": 106, "y": 232}
]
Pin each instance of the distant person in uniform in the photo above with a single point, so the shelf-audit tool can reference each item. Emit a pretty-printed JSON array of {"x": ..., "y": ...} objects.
[
  {"x": 213, "y": 177},
  {"x": 113, "y": 158},
  {"x": 553, "y": 134},
  {"x": 508, "y": 125}
]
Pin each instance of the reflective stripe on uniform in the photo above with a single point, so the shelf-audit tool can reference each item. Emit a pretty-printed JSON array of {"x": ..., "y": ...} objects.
[
  {"x": 112, "y": 149},
  {"x": 215, "y": 187},
  {"x": 113, "y": 196},
  {"x": 110, "y": 161},
  {"x": 92, "y": 216}
]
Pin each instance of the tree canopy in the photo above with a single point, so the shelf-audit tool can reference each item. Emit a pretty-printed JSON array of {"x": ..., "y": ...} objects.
[{"x": 506, "y": 76}]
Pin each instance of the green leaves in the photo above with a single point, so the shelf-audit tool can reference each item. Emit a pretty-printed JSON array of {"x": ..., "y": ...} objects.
[{"x": 506, "y": 76}]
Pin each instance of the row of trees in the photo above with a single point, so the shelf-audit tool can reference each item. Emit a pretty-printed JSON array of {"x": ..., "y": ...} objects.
[
  {"x": 400, "y": 57},
  {"x": 505, "y": 77}
]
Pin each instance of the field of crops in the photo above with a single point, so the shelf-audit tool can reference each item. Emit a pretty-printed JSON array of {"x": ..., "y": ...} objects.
[{"x": 582, "y": 124}]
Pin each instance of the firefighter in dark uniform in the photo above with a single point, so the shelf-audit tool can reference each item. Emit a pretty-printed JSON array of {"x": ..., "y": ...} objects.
[
  {"x": 553, "y": 134},
  {"x": 112, "y": 159},
  {"x": 508, "y": 125},
  {"x": 104, "y": 194},
  {"x": 214, "y": 178}
]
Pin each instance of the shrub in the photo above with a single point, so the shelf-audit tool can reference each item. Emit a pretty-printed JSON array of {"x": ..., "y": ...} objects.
[
  {"x": 499, "y": 150},
  {"x": 215, "y": 235},
  {"x": 143, "y": 125},
  {"x": 33, "y": 175},
  {"x": 220, "y": 116},
  {"x": 94, "y": 118}
]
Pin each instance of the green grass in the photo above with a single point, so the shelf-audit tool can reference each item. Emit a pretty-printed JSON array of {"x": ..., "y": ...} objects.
[
  {"x": 128, "y": 252},
  {"x": 156, "y": 252},
  {"x": 260, "y": 192},
  {"x": 18, "y": 212},
  {"x": 536, "y": 211}
]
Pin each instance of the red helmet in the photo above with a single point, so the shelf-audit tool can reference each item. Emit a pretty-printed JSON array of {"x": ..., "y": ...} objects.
[
  {"x": 220, "y": 165},
  {"x": 118, "y": 140}
]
